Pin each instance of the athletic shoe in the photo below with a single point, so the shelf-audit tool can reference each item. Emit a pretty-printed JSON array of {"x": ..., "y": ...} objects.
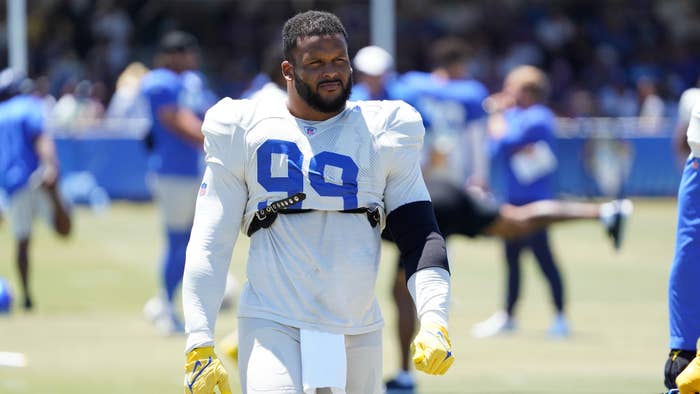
[
  {"x": 169, "y": 324},
  {"x": 154, "y": 308},
  {"x": 159, "y": 312},
  {"x": 559, "y": 328},
  {"x": 402, "y": 383},
  {"x": 498, "y": 323},
  {"x": 619, "y": 210}
]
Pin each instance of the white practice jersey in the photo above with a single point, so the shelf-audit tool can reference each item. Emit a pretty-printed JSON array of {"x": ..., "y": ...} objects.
[{"x": 315, "y": 270}]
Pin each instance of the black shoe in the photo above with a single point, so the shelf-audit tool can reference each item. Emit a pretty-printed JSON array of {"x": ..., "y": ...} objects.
[{"x": 28, "y": 304}]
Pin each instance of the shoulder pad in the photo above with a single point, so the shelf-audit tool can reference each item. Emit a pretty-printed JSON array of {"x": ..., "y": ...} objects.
[
  {"x": 226, "y": 115},
  {"x": 394, "y": 122}
]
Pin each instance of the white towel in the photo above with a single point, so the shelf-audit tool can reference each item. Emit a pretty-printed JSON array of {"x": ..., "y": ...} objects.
[
  {"x": 533, "y": 162},
  {"x": 323, "y": 361}
]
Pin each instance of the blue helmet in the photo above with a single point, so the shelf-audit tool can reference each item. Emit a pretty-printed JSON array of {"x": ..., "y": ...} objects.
[{"x": 5, "y": 296}]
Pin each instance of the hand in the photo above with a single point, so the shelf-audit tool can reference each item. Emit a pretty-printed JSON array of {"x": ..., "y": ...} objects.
[
  {"x": 689, "y": 380},
  {"x": 675, "y": 364},
  {"x": 49, "y": 176},
  {"x": 203, "y": 372},
  {"x": 432, "y": 350}
]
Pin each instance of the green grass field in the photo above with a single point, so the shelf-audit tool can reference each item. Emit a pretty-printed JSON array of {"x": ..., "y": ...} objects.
[{"x": 88, "y": 333}]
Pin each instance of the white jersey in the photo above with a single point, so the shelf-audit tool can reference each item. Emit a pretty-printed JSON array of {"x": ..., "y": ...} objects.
[
  {"x": 693, "y": 132},
  {"x": 270, "y": 92},
  {"x": 315, "y": 270}
]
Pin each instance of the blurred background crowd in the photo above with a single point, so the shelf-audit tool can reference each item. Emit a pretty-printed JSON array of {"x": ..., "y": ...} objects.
[{"x": 619, "y": 58}]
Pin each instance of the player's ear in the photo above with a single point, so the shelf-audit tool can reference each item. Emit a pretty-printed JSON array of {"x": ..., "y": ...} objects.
[{"x": 287, "y": 70}]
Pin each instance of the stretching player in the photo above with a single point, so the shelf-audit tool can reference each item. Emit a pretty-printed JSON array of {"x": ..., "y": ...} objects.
[
  {"x": 682, "y": 368},
  {"x": 312, "y": 184},
  {"x": 449, "y": 102},
  {"x": 471, "y": 213}
]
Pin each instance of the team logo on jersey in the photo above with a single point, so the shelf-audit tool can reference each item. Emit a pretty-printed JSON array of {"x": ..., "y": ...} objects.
[
  {"x": 203, "y": 189},
  {"x": 308, "y": 130}
]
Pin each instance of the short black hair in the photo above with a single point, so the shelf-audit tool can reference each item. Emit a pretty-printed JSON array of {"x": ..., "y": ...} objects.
[
  {"x": 307, "y": 24},
  {"x": 448, "y": 51},
  {"x": 177, "y": 41}
]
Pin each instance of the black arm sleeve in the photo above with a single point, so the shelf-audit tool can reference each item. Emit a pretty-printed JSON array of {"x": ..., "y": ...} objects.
[{"x": 415, "y": 231}]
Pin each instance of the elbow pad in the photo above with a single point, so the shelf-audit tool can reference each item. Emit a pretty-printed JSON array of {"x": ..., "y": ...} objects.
[{"x": 414, "y": 229}]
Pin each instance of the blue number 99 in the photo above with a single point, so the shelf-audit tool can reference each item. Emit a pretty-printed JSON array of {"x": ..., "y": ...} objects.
[{"x": 294, "y": 181}]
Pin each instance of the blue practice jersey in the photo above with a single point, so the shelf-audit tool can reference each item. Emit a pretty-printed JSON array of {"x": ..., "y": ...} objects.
[
  {"x": 171, "y": 154},
  {"x": 21, "y": 122},
  {"x": 445, "y": 105},
  {"x": 526, "y": 150},
  {"x": 196, "y": 94},
  {"x": 683, "y": 301},
  {"x": 448, "y": 108}
]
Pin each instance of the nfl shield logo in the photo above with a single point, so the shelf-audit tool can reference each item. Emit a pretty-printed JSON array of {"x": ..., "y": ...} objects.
[
  {"x": 203, "y": 189},
  {"x": 309, "y": 130}
]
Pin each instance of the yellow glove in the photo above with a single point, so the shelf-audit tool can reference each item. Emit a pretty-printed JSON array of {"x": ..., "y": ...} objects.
[
  {"x": 203, "y": 372},
  {"x": 432, "y": 350},
  {"x": 688, "y": 381}
]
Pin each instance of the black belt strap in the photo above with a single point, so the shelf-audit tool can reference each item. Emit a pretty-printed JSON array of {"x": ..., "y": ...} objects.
[{"x": 264, "y": 217}]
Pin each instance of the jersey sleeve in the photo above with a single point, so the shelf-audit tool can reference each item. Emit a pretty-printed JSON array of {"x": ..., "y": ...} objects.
[
  {"x": 164, "y": 93},
  {"x": 219, "y": 211},
  {"x": 403, "y": 139},
  {"x": 223, "y": 139}
]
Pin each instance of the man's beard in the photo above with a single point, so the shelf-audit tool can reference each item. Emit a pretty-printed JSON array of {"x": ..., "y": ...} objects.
[{"x": 315, "y": 100}]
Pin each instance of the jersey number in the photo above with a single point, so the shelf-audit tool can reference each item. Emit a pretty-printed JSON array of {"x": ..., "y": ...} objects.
[{"x": 294, "y": 181}]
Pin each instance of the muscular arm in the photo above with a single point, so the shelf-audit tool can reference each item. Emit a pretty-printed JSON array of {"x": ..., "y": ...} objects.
[
  {"x": 217, "y": 220},
  {"x": 414, "y": 229},
  {"x": 46, "y": 150}
]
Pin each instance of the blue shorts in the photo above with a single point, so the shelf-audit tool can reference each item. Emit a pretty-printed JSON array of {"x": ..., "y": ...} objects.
[{"x": 683, "y": 300}]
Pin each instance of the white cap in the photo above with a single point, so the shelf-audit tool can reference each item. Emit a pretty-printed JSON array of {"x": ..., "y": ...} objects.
[{"x": 373, "y": 60}]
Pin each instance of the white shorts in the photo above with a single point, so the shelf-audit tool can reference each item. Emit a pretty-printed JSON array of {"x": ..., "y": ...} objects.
[
  {"x": 269, "y": 359},
  {"x": 176, "y": 197},
  {"x": 25, "y": 205}
]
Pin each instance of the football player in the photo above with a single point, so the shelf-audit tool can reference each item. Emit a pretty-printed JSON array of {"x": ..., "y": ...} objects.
[
  {"x": 683, "y": 303},
  {"x": 175, "y": 142},
  {"x": 312, "y": 183},
  {"x": 29, "y": 171}
]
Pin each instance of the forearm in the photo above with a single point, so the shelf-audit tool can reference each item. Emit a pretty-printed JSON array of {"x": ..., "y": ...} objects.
[
  {"x": 203, "y": 287},
  {"x": 430, "y": 290},
  {"x": 46, "y": 150},
  {"x": 183, "y": 123}
]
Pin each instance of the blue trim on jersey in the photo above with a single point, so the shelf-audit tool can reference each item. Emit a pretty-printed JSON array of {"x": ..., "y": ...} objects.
[
  {"x": 683, "y": 300},
  {"x": 21, "y": 122}
]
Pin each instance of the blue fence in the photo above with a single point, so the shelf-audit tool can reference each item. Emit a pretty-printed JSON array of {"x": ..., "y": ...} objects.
[
  {"x": 588, "y": 166},
  {"x": 119, "y": 165}
]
